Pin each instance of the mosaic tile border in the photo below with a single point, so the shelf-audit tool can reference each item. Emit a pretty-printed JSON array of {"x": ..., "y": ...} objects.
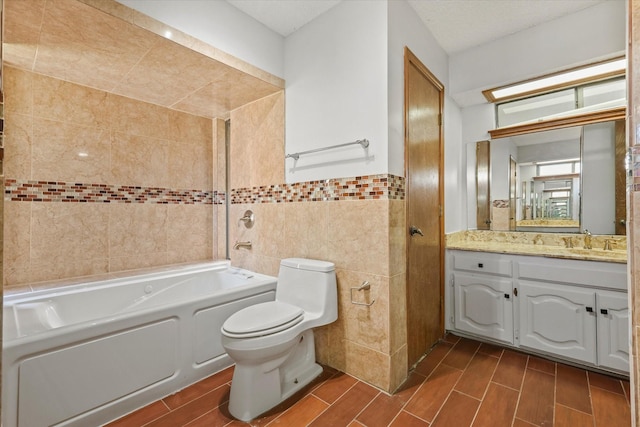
[
  {"x": 55, "y": 191},
  {"x": 633, "y": 175},
  {"x": 373, "y": 187},
  {"x": 499, "y": 203}
]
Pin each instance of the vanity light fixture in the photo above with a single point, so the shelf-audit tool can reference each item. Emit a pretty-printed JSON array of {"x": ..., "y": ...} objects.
[{"x": 572, "y": 77}]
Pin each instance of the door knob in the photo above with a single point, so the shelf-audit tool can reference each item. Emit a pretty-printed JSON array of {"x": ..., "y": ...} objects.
[{"x": 413, "y": 230}]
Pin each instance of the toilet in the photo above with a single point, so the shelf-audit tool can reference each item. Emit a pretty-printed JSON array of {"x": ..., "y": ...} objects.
[{"x": 272, "y": 342}]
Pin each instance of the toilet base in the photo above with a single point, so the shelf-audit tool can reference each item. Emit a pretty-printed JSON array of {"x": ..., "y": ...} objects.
[{"x": 257, "y": 388}]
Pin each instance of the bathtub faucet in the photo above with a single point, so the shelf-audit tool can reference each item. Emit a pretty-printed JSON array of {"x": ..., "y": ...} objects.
[{"x": 239, "y": 245}]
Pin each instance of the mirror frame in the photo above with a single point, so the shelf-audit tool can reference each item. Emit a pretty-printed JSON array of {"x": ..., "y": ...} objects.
[{"x": 613, "y": 114}]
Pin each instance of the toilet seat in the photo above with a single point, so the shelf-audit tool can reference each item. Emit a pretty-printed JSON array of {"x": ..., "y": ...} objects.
[{"x": 262, "y": 319}]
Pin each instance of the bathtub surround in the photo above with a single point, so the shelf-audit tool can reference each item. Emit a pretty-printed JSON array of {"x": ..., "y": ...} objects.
[{"x": 96, "y": 182}]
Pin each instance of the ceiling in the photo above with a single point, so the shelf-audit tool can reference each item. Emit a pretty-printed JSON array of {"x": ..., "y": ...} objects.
[{"x": 457, "y": 25}]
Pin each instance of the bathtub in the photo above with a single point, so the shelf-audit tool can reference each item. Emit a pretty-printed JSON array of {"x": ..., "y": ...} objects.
[{"x": 86, "y": 354}]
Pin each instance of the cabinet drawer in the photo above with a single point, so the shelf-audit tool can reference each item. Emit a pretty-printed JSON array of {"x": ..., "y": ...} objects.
[
  {"x": 482, "y": 263},
  {"x": 597, "y": 274}
]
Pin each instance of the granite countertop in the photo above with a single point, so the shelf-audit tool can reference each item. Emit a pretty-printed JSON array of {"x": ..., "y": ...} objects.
[{"x": 540, "y": 244}]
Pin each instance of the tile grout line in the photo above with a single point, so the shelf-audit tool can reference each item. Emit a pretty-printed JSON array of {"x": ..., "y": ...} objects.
[
  {"x": 486, "y": 390},
  {"x": 515, "y": 410},
  {"x": 190, "y": 401},
  {"x": 456, "y": 383},
  {"x": 555, "y": 392},
  {"x": 355, "y": 418},
  {"x": 426, "y": 378}
]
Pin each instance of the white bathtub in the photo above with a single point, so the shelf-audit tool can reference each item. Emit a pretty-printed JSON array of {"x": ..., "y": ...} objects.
[{"x": 86, "y": 354}]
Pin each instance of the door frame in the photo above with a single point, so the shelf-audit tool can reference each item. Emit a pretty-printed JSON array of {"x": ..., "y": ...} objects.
[{"x": 411, "y": 59}]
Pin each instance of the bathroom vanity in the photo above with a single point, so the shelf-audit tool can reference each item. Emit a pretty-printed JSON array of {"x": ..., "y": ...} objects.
[{"x": 571, "y": 309}]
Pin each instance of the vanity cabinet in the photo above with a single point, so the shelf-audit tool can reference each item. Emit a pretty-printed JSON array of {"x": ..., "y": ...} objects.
[
  {"x": 613, "y": 330},
  {"x": 570, "y": 309},
  {"x": 483, "y": 297},
  {"x": 558, "y": 319}
]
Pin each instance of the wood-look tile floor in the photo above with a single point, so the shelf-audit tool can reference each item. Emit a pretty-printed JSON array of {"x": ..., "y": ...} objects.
[{"x": 461, "y": 382}]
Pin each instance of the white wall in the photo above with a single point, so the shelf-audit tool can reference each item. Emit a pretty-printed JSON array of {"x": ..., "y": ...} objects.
[
  {"x": 565, "y": 42},
  {"x": 501, "y": 153},
  {"x": 222, "y": 26},
  {"x": 336, "y": 74},
  {"x": 406, "y": 29},
  {"x": 598, "y": 178},
  {"x": 594, "y": 33}
]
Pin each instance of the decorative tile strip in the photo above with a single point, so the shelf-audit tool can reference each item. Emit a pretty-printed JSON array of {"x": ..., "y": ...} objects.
[
  {"x": 500, "y": 203},
  {"x": 633, "y": 173},
  {"x": 55, "y": 191},
  {"x": 382, "y": 186}
]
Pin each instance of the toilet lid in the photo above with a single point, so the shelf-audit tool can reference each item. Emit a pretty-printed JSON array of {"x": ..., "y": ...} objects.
[{"x": 262, "y": 319}]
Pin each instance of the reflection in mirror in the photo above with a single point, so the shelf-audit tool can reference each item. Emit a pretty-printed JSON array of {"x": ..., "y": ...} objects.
[
  {"x": 549, "y": 175},
  {"x": 566, "y": 180}
]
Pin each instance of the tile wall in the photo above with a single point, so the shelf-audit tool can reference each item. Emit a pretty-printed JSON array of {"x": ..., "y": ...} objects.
[
  {"x": 97, "y": 182},
  {"x": 500, "y": 215},
  {"x": 356, "y": 223},
  {"x": 130, "y": 204}
]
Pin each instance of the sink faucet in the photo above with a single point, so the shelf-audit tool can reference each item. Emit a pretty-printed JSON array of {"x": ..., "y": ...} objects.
[
  {"x": 587, "y": 239},
  {"x": 239, "y": 245}
]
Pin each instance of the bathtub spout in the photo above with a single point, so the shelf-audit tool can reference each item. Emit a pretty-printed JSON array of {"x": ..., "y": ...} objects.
[{"x": 239, "y": 245}]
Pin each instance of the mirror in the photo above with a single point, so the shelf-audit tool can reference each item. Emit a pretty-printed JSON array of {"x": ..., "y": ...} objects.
[{"x": 562, "y": 180}]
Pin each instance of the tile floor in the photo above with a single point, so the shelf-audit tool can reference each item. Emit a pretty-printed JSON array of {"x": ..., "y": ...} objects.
[{"x": 460, "y": 383}]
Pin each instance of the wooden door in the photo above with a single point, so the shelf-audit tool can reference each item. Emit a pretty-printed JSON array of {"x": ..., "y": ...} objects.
[
  {"x": 424, "y": 201},
  {"x": 620, "y": 178},
  {"x": 483, "y": 184}
]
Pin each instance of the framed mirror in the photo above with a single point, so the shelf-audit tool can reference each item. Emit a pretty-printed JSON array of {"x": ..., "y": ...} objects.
[{"x": 563, "y": 180}]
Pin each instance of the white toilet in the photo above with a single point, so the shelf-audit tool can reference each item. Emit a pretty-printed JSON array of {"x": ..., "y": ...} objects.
[{"x": 272, "y": 342}]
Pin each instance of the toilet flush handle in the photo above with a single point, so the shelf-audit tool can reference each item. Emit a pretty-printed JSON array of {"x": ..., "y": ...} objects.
[{"x": 413, "y": 230}]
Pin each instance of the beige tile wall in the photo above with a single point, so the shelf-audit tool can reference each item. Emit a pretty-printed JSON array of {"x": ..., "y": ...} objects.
[
  {"x": 154, "y": 148},
  {"x": 364, "y": 238},
  {"x": 128, "y": 142}
]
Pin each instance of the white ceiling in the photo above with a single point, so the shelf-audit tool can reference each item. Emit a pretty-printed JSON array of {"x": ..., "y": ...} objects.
[{"x": 456, "y": 24}]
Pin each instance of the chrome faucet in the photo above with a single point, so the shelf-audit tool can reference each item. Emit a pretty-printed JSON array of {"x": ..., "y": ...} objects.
[
  {"x": 587, "y": 239},
  {"x": 239, "y": 245}
]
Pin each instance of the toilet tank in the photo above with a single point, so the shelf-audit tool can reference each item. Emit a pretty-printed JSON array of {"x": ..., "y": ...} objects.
[{"x": 311, "y": 285}]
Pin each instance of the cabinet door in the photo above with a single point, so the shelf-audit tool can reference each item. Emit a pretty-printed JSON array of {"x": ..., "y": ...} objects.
[
  {"x": 483, "y": 306},
  {"x": 558, "y": 319},
  {"x": 613, "y": 330}
]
